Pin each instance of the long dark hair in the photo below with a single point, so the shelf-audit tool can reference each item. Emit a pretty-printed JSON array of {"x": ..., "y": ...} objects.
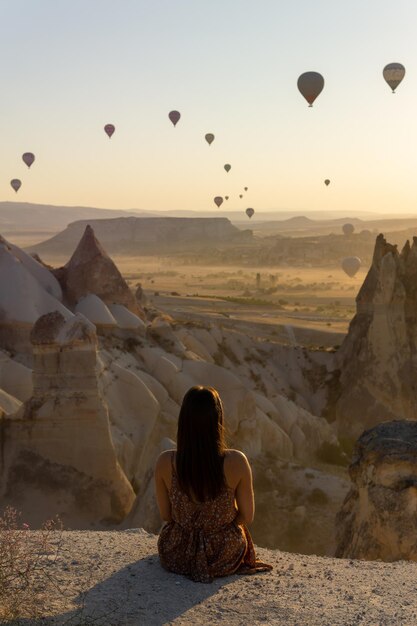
[{"x": 200, "y": 444}]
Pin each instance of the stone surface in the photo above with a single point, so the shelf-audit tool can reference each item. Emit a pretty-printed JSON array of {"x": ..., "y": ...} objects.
[
  {"x": 104, "y": 405},
  {"x": 26, "y": 292},
  {"x": 125, "y": 319},
  {"x": 94, "y": 309},
  {"x": 376, "y": 367},
  {"x": 15, "y": 378},
  {"x": 144, "y": 234},
  {"x": 35, "y": 266},
  {"x": 378, "y": 517},
  {"x": 23, "y": 298},
  {"x": 90, "y": 270},
  {"x": 57, "y": 452}
]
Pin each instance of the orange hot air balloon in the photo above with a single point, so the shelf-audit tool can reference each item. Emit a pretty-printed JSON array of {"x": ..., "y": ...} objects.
[
  {"x": 240, "y": 195},
  {"x": 218, "y": 200},
  {"x": 250, "y": 212},
  {"x": 174, "y": 116},
  {"x": 209, "y": 138},
  {"x": 227, "y": 167},
  {"x": 28, "y": 158},
  {"x": 310, "y": 85},
  {"x": 245, "y": 188},
  {"x": 16, "y": 184},
  {"x": 226, "y": 197},
  {"x": 393, "y": 74},
  {"x": 109, "y": 130},
  {"x": 327, "y": 182}
]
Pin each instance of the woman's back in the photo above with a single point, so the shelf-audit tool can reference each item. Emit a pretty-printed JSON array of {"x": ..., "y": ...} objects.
[
  {"x": 210, "y": 515},
  {"x": 205, "y": 494},
  {"x": 207, "y": 539},
  {"x": 237, "y": 478}
]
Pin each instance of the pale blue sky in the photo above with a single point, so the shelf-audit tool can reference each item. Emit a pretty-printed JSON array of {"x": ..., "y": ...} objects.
[{"x": 231, "y": 68}]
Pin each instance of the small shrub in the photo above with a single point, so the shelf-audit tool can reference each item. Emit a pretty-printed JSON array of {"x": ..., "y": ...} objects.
[{"x": 25, "y": 557}]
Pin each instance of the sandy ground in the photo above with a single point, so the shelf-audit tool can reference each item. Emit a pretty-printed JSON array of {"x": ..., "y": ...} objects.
[{"x": 115, "y": 578}]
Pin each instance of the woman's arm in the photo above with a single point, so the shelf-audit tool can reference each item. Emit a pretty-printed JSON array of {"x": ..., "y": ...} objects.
[
  {"x": 161, "y": 489},
  {"x": 244, "y": 491}
]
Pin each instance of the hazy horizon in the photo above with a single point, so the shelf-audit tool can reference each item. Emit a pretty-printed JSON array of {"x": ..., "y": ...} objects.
[{"x": 277, "y": 214}]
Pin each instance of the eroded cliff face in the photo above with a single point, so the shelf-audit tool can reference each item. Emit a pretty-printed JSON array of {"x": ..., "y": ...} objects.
[
  {"x": 103, "y": 400},
  {"x": 378, "y": 517},
  {"x": 57, "y": 453},
  {"x": 142, "y": 235},
  {"x": 376, "y": 367}
]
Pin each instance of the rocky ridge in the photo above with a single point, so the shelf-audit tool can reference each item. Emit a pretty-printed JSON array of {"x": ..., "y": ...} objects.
[
  {"x": 142, "y": 371},
  {"x": 375, "y": 370},
  {"x": 377, "y": 520},
  {"x": 143, "y": 363},
  {"x": 140, "y": 235}
]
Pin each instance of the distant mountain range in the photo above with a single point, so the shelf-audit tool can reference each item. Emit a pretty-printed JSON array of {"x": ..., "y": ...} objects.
[
  {"x": 18, "y": 217},
  {"x": 24, "y": 216}
]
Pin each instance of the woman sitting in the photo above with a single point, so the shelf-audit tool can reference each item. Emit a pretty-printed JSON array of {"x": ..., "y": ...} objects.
[{"x": 205, "y": 494}]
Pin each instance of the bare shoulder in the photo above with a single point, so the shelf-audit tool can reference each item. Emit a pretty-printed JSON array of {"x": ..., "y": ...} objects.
[
  {"x": 164, "y": 460},
  {"x": 236, "y": 458}
]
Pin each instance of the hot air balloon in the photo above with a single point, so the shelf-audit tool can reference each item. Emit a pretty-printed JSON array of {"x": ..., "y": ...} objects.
[
  {"x": 240, "y": 195},
  {"x": 250, "y": 212},
  {"x": 226, "y": 197},
  {"x": 174, "y": 116},
  {"x": 350, "y": 265},
  {"x": 28, "y": 158},
  {"x": 393, "y": 74},
  {"x": 227, "y": 167},
  {"x": 16, "y": 184},
  {"x": 218, "y": 200},
  {"x": 209, "y": 138},
  {"x": 310, "y": 85},
  {"x": 348, "y": 229},
  {"x": 245, "y": 188},
  {"x": 327, "y": 182},
  {"x": 109, "y": 129}
]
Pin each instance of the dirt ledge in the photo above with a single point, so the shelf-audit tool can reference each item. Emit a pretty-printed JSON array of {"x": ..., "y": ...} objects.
[{"x": 114, "y": 578}]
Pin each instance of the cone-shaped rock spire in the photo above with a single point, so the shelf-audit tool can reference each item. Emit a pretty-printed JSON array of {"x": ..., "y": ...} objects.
[{"x": 90, "y": 270}]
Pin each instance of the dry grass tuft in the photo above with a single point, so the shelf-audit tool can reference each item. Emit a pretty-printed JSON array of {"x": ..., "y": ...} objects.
[{"x": 25, "y": 562}]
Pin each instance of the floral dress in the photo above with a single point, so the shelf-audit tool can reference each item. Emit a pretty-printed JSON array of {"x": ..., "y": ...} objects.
[{"x": 202, "y": 541}]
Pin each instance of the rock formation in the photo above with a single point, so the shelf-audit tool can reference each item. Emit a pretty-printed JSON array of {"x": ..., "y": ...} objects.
[
  {"x": 376, "y": 366},
  {"x": 104, "y": 397},
  {"x": 27, "y": 291},
  {"x": 142, "y": 235},
  {"x": 378, "y": 517},
  {"x": 90, "y": 270},
  {"x": 57, "y": 452},
  {"x": 94, "y": 309}
]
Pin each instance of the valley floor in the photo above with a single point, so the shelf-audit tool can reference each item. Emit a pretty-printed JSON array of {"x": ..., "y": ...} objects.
[{"x": 114, "y": 578}]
